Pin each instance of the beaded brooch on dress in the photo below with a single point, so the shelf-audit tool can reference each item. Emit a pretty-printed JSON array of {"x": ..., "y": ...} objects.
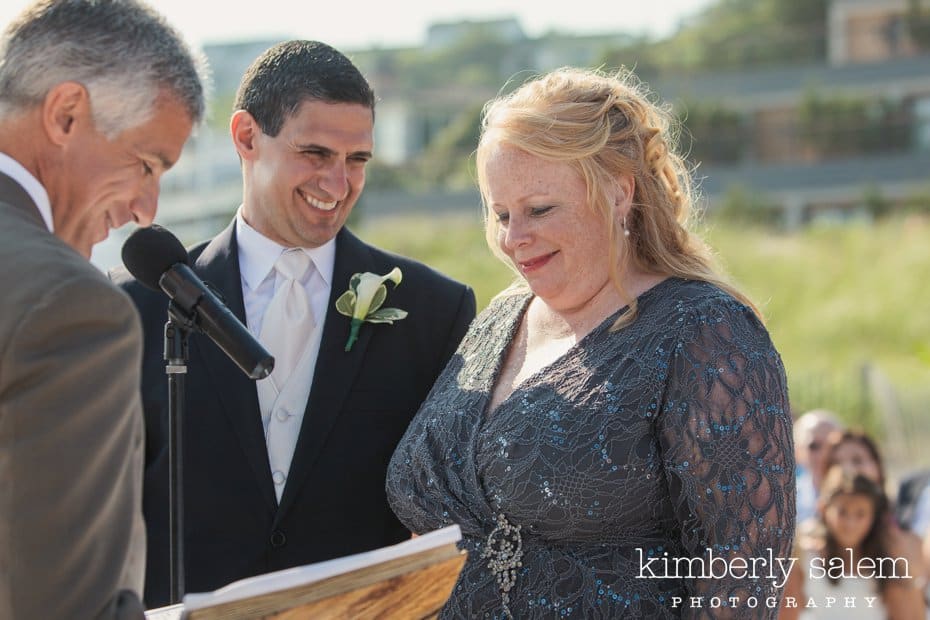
[{"x": 504, "y": 552}]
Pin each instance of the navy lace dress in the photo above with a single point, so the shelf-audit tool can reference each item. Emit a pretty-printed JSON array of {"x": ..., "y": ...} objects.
[{"x": 670, "y": 438}]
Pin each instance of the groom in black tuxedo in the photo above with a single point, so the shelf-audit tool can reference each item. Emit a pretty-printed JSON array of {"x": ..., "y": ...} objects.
[{"x": 290, "y": 470}]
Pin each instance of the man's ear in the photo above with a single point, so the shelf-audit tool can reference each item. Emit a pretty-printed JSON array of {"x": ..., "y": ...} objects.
[
  {"x": 244, "y": 129},
  {"x": 65, "y": 105}
]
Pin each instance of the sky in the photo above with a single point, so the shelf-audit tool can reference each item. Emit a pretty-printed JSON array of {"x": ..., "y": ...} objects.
[{"x": 395, "y": 23}]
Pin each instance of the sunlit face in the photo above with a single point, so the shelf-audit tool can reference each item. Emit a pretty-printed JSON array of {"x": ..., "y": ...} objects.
[
  {"x": 107, "y": 183},
  {"x": 849, "y": 518},
  {"x": 810, "y": 449},
  {"x": 546, "y": 227},
  {"x": 855, "y": 458},
  {"x": 301, "y": 185},
  {"x": 812, "y": 443}
]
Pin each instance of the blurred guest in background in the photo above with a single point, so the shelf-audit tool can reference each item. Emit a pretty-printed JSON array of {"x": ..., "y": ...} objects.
[
  {"x": 622, "y": 402},
  {"x": 846, "y": 558},
  {"x": 856, "y": 452},
  {"x": 97, "y": 99},
  {"x": 810, "y": 437},
  {"x": 918, "y": 512},
  {"x": 914, "y": 501}
]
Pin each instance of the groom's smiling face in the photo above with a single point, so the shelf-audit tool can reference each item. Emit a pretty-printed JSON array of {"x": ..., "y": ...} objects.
[{"x": 301, "y": 185}]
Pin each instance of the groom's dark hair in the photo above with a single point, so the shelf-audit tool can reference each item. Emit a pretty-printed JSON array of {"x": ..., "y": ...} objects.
[{"x": 289, "y": 73}]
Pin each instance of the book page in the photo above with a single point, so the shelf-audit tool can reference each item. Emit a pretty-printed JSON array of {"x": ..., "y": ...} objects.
[
  {"x": 172, "y": 612},
  {"x": 302, "y": 575}
]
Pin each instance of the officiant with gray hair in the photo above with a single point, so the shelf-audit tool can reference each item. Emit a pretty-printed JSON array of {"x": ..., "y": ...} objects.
[{"x": 97, "y": 99}]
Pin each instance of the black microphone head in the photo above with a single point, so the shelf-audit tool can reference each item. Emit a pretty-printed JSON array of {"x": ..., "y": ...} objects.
[{"x": 151, "y": 251}]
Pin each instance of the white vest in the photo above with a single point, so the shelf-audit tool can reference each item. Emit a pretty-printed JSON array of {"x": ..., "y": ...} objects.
[{"x": 282, "y": 414}]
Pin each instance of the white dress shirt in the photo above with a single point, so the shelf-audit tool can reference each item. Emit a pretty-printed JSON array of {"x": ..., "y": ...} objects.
[
  {"x": 18, "y": 173},
  {"x": 282, "y": 413}
]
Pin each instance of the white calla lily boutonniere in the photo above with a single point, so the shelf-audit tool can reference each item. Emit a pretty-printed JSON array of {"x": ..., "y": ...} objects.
[{"x": 362, "y": 302}]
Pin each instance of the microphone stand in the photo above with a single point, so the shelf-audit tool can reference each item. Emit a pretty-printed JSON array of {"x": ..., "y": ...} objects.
[{"x": 177, "y": 330}]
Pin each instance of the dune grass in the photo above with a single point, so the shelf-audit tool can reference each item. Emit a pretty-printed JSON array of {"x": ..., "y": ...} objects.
[
  {"x": 834, "y": 296},
  {"x": 839, "y": 300},
  {"x": 839, "y": 296}
]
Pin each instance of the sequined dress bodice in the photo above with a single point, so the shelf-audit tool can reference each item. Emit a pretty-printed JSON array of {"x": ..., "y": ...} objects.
[{"x": 668, "y": 436}]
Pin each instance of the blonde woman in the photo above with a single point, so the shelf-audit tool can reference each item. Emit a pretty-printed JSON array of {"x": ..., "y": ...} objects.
[{"x": 622, "y": 406}]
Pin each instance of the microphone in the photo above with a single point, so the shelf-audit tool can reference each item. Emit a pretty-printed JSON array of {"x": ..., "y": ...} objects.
[{"x": 156, "y": 258}]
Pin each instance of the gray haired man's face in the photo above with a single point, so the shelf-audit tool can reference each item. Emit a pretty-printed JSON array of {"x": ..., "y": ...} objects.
[{"x": 108, "y": 183}]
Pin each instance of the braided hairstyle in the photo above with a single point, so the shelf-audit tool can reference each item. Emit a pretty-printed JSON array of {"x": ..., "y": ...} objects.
[{"x": 606, "y": 126}]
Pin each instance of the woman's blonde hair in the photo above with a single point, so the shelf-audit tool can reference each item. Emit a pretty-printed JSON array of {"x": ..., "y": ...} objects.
[{"x": 605, "y": 126}]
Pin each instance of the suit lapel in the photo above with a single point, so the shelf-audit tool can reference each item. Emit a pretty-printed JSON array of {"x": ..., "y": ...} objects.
[
  {"x": 218, "y": 265},
  {"x": 335, "y": 368}
]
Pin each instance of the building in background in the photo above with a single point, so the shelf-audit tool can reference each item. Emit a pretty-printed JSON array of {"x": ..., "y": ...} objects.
[
  {"x": 832, "y": 137},
  {"x": 869, "y": 31}
]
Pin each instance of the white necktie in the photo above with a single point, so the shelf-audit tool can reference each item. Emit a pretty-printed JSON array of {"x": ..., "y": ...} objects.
[{"x": 288, "y": 321}]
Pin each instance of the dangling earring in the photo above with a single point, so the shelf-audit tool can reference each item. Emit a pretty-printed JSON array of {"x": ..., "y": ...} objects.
[{"x": 626, "y": 231}]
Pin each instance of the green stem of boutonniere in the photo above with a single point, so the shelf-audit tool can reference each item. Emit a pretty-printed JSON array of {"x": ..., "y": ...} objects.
[{"x": 353, "y": 333}]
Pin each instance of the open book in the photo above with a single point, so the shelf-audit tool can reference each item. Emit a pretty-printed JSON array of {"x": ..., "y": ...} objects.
[{"x": 412, "y": 579}]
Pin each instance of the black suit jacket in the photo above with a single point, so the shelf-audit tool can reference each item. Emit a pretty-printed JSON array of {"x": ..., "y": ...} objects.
[{"x": 361, "y": 401}]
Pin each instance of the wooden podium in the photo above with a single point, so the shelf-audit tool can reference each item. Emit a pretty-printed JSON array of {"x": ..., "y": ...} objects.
[{"x": 410, "y": 580}]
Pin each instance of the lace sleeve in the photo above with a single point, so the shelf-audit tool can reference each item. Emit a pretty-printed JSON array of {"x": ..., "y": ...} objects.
[{"x": 725, "y": 432}]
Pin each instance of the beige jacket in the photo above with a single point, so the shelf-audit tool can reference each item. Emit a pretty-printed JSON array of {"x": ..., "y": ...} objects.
[{"x": 72, "y": 539}]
